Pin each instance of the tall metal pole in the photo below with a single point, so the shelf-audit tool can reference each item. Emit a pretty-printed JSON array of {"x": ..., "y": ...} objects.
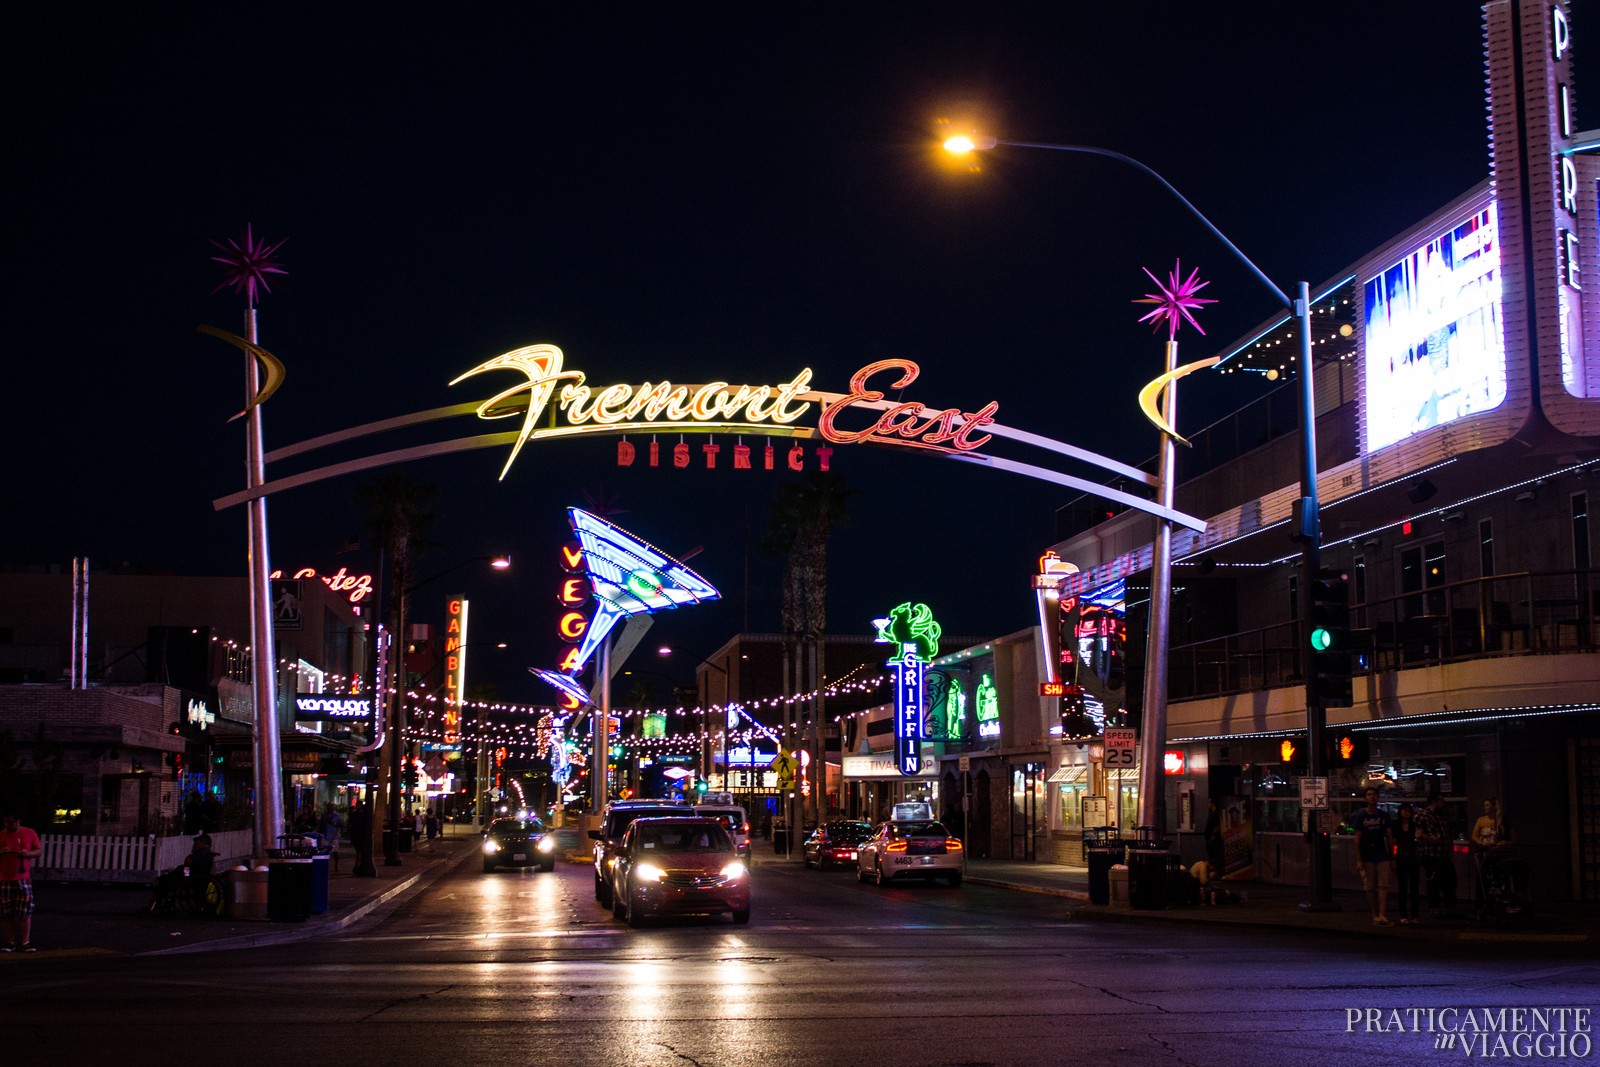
[
  {"x": 268, "y": 776},
  {"x": 600, "y": 735},
  {"x": 1321, "y": 865},
  {"x": 1153, "y": 720},
  {"x": 396, "y": 741}
]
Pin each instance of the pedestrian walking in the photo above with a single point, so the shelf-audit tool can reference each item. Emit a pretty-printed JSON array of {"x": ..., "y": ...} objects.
[
  {"x": 332, "y": 829},
  {"x": 1375, "y": 850},
  {"x": 19, "y": 847}
]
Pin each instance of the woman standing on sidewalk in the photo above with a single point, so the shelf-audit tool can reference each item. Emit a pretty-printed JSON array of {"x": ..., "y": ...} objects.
[{"x": 1408, "y": 867}]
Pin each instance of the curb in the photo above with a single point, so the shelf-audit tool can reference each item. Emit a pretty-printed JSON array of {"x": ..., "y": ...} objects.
[
  {"x": 1069, "y": 894},
  {"x": 287, "y": 934}
]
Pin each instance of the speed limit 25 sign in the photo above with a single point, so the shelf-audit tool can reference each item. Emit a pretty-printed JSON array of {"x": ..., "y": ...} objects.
[{"x": 1122, "y": 747}]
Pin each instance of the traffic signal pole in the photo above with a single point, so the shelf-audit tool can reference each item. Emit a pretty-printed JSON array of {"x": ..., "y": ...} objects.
[{"x": 1310, "y": 533}]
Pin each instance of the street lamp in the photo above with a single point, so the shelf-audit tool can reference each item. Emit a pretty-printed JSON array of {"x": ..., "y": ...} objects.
[
  {"x": 397, "y": 721},
  {"x": 1306, "y": 529}
]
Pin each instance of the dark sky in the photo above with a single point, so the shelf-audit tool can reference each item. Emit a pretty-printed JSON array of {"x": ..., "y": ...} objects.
[{"x": 692, "y": 191}]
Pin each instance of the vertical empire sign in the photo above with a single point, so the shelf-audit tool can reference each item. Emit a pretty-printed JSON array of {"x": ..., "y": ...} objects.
[
  {"x": 913, "y": 634},
  {"x": 455, "y": 667}
]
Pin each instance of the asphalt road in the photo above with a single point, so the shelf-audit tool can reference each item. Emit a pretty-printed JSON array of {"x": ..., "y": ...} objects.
[{"x": 525, "y": 968}]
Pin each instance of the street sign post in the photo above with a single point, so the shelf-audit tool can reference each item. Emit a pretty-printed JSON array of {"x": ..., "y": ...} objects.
[{"x": 1314, "y": 794}]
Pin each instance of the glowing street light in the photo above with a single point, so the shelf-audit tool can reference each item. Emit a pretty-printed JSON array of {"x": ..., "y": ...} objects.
[{"x": 1305, "y": 527}]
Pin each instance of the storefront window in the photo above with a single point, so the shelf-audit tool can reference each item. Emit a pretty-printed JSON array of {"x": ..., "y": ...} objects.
[{"x": 1069, "y": 806}]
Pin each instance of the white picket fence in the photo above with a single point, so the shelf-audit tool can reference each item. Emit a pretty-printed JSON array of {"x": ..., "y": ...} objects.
[{"x": 72, "y": 858}]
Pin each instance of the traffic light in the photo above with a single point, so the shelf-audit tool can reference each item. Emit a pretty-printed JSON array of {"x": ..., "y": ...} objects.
[
  {"x": 702, "y": 786},
  {"x": 1331, "y": 660},
  {"x": 1348, "y": 750}
]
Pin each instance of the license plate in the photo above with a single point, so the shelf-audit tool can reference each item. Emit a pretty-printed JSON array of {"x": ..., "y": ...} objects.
[
  {"x": 518, "y": 857},
  {"x": 927, "y": 861}
]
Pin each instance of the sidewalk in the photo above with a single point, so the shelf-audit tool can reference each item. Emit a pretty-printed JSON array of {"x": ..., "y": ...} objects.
[
  {"x": 86, "y": 920},
  {"x": 1264, "y": 904}
]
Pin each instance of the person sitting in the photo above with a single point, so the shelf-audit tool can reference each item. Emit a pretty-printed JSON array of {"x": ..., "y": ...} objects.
[{"x": 190, "y": 876}]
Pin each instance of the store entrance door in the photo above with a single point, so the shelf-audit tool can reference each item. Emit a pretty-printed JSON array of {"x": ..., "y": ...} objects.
[{"x": 1027, "y": 812}]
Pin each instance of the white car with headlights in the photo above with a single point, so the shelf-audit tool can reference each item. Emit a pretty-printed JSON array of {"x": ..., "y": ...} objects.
[
  {"x": 919, "y": 849},
  {"x": 517, "y": 843}
]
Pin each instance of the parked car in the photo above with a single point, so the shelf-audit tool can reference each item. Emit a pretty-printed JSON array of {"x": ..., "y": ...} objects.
[
  {"x": 678, "y": 866},
  {"x": 733, "y": 819},
  {"x": 614, "y": 822},
  {"x": 835, "y": 843},
  {"x": 517, "y": 843},
  {"x": 920, "y": 849}
]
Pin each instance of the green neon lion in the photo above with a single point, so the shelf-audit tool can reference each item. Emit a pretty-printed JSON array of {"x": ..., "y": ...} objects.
[{"x": 910, "y": 624}]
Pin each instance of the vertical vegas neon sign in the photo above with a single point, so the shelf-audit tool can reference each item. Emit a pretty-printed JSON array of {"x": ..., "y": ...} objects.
[
  {"x": 455, "y": 667},
  {"x": 915, "y": 636}
]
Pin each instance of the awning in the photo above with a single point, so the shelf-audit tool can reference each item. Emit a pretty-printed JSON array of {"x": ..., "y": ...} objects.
[{"x": 1063, "y": 775}]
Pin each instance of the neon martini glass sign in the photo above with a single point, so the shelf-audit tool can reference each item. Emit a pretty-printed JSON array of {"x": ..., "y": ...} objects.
[{"x": 628, "y": 576}]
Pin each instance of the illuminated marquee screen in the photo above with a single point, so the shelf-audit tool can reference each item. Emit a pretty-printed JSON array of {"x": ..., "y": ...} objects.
[{"x": 1435, "y": 350}]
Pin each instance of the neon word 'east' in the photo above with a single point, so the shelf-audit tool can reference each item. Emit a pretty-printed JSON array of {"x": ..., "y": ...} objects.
[{"x": 950, "y": 430}]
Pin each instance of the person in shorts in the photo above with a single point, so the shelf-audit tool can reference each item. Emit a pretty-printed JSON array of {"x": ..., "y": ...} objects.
[
  {"x": 1375, "y": 851},
  {"x": 19, "y": 847}
]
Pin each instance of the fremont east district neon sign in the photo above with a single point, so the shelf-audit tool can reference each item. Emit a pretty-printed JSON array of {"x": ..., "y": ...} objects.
[{"x": 550, "y": 391}]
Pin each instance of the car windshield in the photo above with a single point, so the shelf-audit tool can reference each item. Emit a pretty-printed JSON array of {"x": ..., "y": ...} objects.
[
  {"x": 848, "y": 831},
  {"x": 729, "y": 819},
  {"x": 515, "y": 826},
  {"x": 669, "y": 838},
  {"x": 623, "y": 818},
  {"x": 918, "y": 829}
]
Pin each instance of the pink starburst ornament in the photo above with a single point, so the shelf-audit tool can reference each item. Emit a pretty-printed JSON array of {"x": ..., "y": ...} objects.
[
  {"x": 1175, "y": 300},
  {"x": 246, "y": 265}
]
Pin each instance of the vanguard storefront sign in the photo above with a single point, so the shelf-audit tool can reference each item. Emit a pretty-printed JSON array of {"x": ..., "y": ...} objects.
[{"x": 316, "y": 707}]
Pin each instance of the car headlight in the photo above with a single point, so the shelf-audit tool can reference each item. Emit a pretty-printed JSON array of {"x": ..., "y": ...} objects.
[
  {"x": 735, "y": 870},
  {"x": 490, "y": 846},
  {"x": 649, "y": 872},
  {"x": 547, "y": 844}
]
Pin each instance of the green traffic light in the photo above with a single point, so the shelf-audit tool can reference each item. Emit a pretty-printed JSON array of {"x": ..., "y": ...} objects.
[{"x": 1321, "y": 639}]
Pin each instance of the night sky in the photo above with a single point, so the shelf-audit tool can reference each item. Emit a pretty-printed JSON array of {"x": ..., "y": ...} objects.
[{"x": 689, "y": 191}]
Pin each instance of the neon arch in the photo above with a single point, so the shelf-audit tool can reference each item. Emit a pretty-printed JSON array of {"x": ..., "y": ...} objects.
[{"x": 556, "y": 402}]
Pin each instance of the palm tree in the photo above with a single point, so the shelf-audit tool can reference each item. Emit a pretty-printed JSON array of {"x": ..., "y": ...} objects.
[
  {"x": 802, "y": 518},
  {"x": 399, "y": 512}
]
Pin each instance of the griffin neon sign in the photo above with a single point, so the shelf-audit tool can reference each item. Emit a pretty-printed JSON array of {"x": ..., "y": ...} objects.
[{"x": 913, "y": 634}]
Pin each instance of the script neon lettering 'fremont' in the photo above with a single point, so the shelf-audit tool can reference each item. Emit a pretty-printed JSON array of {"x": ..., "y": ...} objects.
[{"x": 656, "y": 405}]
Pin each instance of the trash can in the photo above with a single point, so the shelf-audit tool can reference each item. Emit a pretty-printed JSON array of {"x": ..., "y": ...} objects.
[
  {"x": 403, "y": 843},
  {"x": 289, "y": 877},
  {"x": 1118, "y": 879},
  {"x": 780, "y": 837},
  {"x": 1102, "y": 847},
  {"x": 1147, "y": 878},
  {"x": 247, "y": 893},
  {"x": 321, "y": 864}
]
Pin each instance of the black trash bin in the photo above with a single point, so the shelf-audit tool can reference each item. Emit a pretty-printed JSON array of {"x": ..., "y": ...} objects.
[
  {"x": 780, "y": 841},
  {"x": 289, "y": 878},
  {"x": 402, "y": 844},
  {"x": 1102, "y": 850},
  {"x": 1147, "y": 877}
]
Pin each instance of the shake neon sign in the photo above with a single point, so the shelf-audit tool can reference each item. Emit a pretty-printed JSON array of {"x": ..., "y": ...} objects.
[{"x": 556, "y": 402}]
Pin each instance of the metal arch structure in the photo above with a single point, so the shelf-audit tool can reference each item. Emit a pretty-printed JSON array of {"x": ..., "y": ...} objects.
[{"x": 892, "y": 428}]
